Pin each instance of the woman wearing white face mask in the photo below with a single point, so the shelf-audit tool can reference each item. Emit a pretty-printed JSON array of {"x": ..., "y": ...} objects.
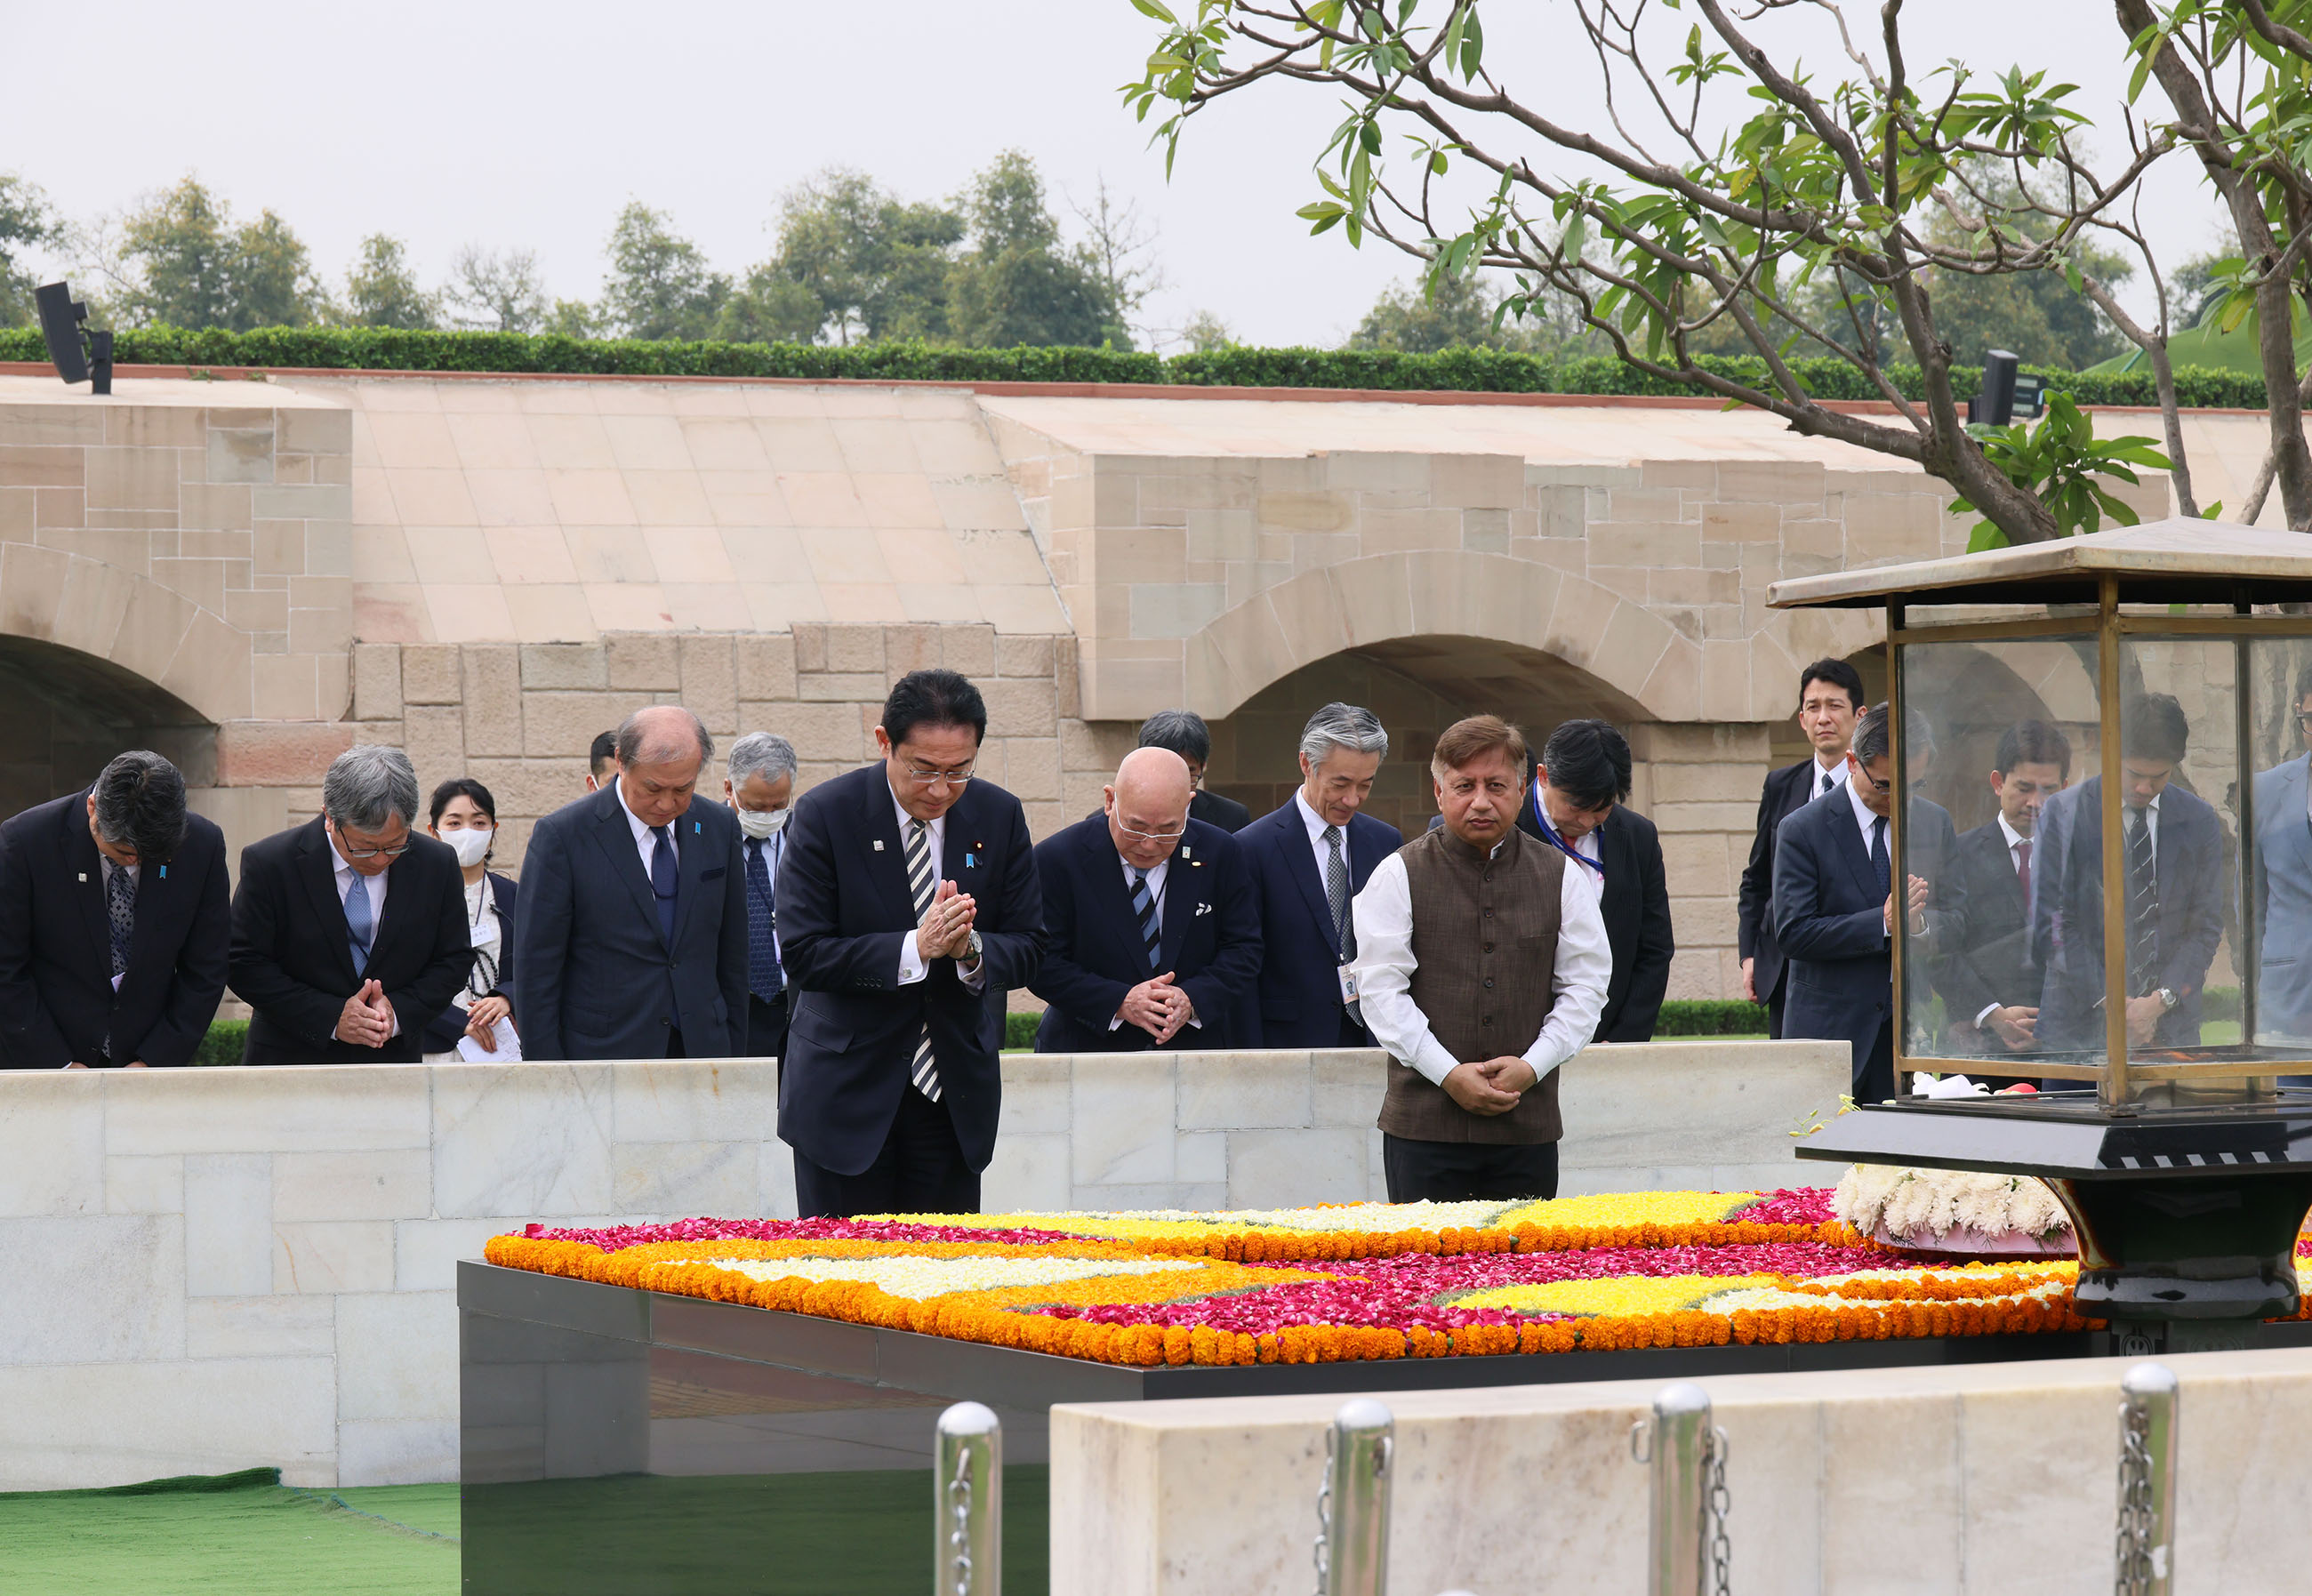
[{"x": 465, "y": 817}]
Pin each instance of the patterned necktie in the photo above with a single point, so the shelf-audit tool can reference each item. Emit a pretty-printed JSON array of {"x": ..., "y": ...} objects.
[
  {"x": 1144, "y": 910},
  {"x": 663, "y": 882},
  {"x": 1880, "y": 862},
  {"x": 2142, "y": 906},
  {"x": 923, "y": 885},
  {"x": 120, "y": 904},
  {"x": 361, "y": 925},
  {"x": 763, "y": 976},
  {"x": 1337, "y": 894}
]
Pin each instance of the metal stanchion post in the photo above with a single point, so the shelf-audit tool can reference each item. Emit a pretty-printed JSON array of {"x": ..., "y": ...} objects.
[
  {"x": 967, "y": 1504},
  {"x": 1687, "y": 1457},
  {"x": 1352, "y": 1507},
  {"x": 2147, "y": 1481}
]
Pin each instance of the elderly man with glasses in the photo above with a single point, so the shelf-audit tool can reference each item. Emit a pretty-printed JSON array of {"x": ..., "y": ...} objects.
[
  {"x": 907, "y": 907},
  {"x": 1153, "y": 924},
  {"x": 349, "y": 931}
]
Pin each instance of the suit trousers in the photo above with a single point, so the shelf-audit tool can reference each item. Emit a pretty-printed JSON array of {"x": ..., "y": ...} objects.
[
  {"x": 1468, "y": 1172},
  {"x": 1874, "y": 1082},
  {"x": 766, "y": 1026},
  {"x": 921, "y": 1169}
]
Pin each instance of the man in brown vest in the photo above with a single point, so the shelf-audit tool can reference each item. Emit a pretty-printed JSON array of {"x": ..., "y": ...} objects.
[{"x": 1482, "y": 965}]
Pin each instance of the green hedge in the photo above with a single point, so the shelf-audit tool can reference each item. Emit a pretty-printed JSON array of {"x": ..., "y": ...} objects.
[
  {"x": 1710, "y": 1017},
  {"x": 223, "y": 1044},
  {"x": 1465, "y": 371}
]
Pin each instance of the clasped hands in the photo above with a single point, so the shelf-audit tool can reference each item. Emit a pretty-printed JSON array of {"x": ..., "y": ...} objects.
[
  {"x": 1489, "y": 1085},
  {"x": 1918, "y": 905},
  {"x": 367, "y": 1020},
  {"x": 1158, "y": 1008},
  {"x": 945, "y": 930}
]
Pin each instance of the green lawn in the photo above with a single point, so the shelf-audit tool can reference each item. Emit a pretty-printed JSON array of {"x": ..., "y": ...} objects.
[{"x": 257, "y": 1539}]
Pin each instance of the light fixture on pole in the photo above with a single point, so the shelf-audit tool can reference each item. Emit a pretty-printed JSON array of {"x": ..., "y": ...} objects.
[{"x": 61, "y": 318}]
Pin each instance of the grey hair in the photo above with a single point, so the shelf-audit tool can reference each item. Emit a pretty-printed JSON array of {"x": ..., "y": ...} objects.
[
  {"x": 1874, "y": 736},
  {"x": 367, "y": 784},
  {"x": 1344, "y": 725},
  {"x": 630, "y": 735},
  {"x": 766, "y": 754}
]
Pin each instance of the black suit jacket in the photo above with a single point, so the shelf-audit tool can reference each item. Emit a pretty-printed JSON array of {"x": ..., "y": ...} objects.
[
  {"x": 1635, "y": 904},
  {"x": 844, "y": 911},
  {"x": 56, "y": 1001},
  {"x": 598, "y": 978},
  {"x": 1093, "y": 953},
  {"x": 293, "y": 965},
  {"x": 1299, "y": 994},
  {"x": 1991, "y": 962},
  {"x": 1787, "y": 791},
  {"x": 441, "y": 1035},
  {"x": 1213, "y": 809}
]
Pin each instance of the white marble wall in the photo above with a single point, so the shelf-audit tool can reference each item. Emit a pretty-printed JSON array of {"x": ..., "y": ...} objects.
[
  {"x": 1995, "y": 1479},
  {"x": 210, "y": 1269}
]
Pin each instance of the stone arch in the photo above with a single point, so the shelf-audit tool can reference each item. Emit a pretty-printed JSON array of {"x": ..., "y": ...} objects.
[
  {"x": 127, "y": 634},
  {"x": 1652, "y": 669},
  {"x": 64, "y": 713}
]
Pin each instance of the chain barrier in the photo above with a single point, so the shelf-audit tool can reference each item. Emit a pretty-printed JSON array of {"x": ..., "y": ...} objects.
[
  {"x": 1716, "y": 1502},
  {"x": 1322, "y": 1549},
  {"x": 967, "y": 1502},
  {"x": 2144, "y": 1547},
  {"x": 958, "y": 1535},
  {"x": 2135, "y": 1520}
]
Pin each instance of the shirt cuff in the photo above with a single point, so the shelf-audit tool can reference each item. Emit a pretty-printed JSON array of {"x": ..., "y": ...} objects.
[
  {"x": 975, "y": 979},
  {"x": 1989, "y": 1009},
  {"x": 912, "y": 967},
  {"x": 1430, "y": 1060}
]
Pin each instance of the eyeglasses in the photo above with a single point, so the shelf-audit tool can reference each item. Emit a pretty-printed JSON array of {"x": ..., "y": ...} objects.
[
  {"x": 1154, "y": 835},
  {"x": 353, "y": 852},
  {"x": 924, "y": 775},
  {"x": 1871, "y": 781}
]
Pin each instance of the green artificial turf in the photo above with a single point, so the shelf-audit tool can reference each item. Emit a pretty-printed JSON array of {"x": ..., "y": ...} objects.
[{"x": 235, "y": 1535}]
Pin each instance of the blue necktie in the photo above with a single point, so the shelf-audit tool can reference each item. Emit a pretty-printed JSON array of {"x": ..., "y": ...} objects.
[
  {"x": 1878, "y": 859},
  {"x": 763, "y": 976},
  {"x": 1143, "y": 908},
  {"x": 663, "y": 881},
  {"x": 361, "y": 925}
]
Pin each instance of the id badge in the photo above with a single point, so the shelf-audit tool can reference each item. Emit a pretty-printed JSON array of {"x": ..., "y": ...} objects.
[{"x": 1348, "y": 982}]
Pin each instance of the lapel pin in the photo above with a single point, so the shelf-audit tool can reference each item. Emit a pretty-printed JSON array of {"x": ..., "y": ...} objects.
[
  {"x": 1188, "y": 854},
  {"x": 83, "y": 876},
  {"x": 970, "y": 862},
  {"x": 878, "y": 848},
  {"x": 697, "y": 828},
  {"x": 164, "y": 873}
]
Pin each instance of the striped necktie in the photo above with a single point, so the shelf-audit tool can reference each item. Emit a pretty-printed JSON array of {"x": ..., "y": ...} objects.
[
  {"x": 922, "y": 884},
  {"x": 1144, "y": 910},
  {"x": 2142, "y": 906}
]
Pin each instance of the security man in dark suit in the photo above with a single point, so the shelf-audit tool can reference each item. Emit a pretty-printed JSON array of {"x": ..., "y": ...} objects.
[
  {"x": 2173, "y": 848},
  {"x": 1830, "y": 698},
  {"x": 1836, "y": 911},
  {"x": 349, "y": 932},
  {"x": 113, "y": 923},
  {"x": 1308, "y": 860},
  {"x": 1151, "y": 929},
  {"x": 632, "y": 926},
  {"x": 1580, "y": 788},
  {"x": 1989, "y": 983},
  {"x": 908, "y": 905},
  {"x": 1184, "y": 732}
]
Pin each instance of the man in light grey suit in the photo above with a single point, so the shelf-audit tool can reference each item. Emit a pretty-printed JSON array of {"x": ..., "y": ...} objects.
[
  {"x": 2282, "y": 885},
  {"x": 631, "y": 932}
]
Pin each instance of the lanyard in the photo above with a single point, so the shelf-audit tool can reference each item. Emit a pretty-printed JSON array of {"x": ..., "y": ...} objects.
[{"x": 1549, "y": 835}]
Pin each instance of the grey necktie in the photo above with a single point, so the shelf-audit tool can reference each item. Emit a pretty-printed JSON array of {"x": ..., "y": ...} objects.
[
  {"x": 1337, "y": 894},
  {"x": 922, "y": 884},
  {"x": 120, "y": 908},
  {"x": 361, "y": 925}
]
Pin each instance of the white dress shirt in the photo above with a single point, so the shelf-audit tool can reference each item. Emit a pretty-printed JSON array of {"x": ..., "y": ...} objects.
[
  {"x": 1868, "y": 820},
  {"x": 2014, "y": 841},
  {"x": 1318, "y": 846},
  {"x": 1384, "y": 967},
  {"x": 645, "y": 843},
  {"x": 375, "y": 885},
  {"x": 1156, "y": 877},
  {"x": 1837, "y": 773},
  {"x": 912, "y": 965},
  {"x": 2150, "y": 819}
]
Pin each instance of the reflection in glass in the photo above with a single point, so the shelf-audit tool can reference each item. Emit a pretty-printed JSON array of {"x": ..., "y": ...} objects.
[{"x": 2280, "y": 872}]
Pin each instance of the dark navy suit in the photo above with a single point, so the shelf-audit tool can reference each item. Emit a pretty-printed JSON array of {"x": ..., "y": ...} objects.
[
  {"x": 1209, "y": 940},
  {"x": 844, "y": 910},
  {"x": 599, "y": 978},
  {"x": 1830, "y": 914},
  {"x": 2282, "y": 891},
  {"x": 1786, "y": 791},
  {"x": 1298, "y": 994}
]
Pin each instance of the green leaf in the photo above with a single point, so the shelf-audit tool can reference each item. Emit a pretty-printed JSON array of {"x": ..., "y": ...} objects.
[
  {"x": 1150, "y": 8},
  {"x": 1986, "y": 536}
]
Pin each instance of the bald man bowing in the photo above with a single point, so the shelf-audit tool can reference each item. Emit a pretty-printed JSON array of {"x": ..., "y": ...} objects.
[{"x": 1153, "y": 927}]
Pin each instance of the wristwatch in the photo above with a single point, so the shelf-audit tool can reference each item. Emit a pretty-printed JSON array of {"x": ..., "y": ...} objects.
[
  {"x": 2167, "y": 998},
  {"x": 971, "y": 953}
]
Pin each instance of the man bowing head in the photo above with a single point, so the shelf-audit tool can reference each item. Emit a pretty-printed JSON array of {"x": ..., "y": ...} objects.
[
  {"x": 631, "y": 932},
  {"x": 908, "y": 903}
]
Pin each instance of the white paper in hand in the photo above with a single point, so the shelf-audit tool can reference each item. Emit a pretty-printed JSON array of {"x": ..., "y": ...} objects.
[{"x": 507, "y": 1051}]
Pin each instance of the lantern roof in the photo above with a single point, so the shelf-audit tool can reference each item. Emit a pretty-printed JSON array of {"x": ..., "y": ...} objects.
[{"x": 2176, "y": 561}]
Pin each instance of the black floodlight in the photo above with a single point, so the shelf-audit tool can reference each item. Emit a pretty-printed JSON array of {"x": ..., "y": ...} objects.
[
  {"x": 61, "y": 317},
  {"x": 1997, "y": 403}
]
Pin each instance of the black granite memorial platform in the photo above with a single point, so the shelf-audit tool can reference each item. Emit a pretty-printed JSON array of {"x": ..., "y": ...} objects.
[{"x": 621, "y": 1442}]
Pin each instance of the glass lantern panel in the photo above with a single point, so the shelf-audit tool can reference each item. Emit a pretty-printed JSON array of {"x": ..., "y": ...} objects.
[
  {"x": 2277, "y": 988},
  {"x": 1994, "y": 732}
]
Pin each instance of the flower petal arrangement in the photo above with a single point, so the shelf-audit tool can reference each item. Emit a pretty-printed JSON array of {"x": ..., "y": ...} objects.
[{"x": 1334, "y": 1283}]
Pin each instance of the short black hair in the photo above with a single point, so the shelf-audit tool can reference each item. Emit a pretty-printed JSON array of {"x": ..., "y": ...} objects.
[
  {"x": 1183, "y": 730},
  {"x": 933, "y": 698},
  {"x": 1589, "y": 761},
  {"x": 603, "y": 754},
  {"x": 2154, "y": 727},
  {"x": 2032, "y": 742},
  {"x": 140, "y": 805},
  {"x": 1872, "y": 739},
  {"x": 1838, "y": 673},
  {"x": 463, "y": 787}
]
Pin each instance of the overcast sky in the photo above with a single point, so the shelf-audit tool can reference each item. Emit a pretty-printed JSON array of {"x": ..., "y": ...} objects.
[{"x": 519, "y": 124}]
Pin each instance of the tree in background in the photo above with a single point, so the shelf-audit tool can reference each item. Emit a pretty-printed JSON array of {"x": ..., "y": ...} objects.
[
  {"x": 1119, "y": 250},
  {"x": 1014, "y": 284},
  {"x": 1207, "y": 332},
  {"x": 492, "y": 292},
  {"x": 382, "y": 288},
  {"x": 25, "y": 221},
  {"x": 854, "y": 263},
  {"x": 179, "y": 261},
  {"x": 659, "y": 285}
]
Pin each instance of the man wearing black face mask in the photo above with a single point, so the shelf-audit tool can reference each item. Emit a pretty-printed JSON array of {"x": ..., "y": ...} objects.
[{"x": 758, "y": 788}]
